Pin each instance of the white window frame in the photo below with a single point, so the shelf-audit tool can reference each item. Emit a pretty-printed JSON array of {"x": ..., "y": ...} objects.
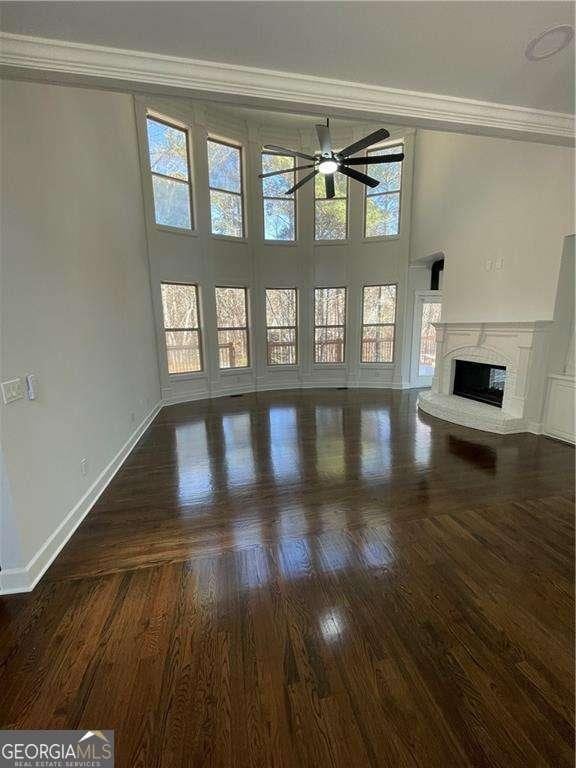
[
  {"x": 421, "y": 297},
  {"x": 379, "y": 325},
  {"x": 179, "y": 126},
  {"x": 401, "y": 144},
  {"x": 283, "y": 328},
  {"x": 248, "y": 365},
  {"x": 345, "y": 336},
  {"x": 334, "y": 241},
  {"x": 293, "y": 199},
  {"x": 242, "y": 194},
  {"x": 202, "y": 370}
]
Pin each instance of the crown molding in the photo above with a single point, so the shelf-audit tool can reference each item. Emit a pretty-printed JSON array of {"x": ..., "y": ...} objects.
[{"x": 62, "y": 61}]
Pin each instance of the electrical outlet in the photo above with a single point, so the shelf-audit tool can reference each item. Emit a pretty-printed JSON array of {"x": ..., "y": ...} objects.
[
  {"x": 12, "y": 390},
  {"x": 489, "y": 265},
  {"x": 83, "y": 467}
]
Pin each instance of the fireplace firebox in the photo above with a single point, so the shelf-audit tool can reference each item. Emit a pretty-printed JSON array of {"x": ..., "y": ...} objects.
[{"x": 480, "y": 381}]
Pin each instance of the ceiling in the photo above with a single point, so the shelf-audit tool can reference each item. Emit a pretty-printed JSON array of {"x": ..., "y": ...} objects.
[{"x": 466, "y": 49}]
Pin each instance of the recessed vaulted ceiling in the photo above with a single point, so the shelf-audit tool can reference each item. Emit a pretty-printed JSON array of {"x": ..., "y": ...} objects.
[{"x": 465, "y": 49}]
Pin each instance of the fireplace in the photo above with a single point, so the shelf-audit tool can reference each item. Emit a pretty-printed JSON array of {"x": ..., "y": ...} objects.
[
  {"x": 498, "y": 364},
  {"x": 483, "y": 382}
]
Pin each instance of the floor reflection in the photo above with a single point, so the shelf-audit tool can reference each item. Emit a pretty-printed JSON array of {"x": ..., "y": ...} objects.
[
  {"x": 422, "y": 443},
  {"x": 375, "y": 455},
  {"x": 284, "y": 448},
  {"x": 294, "y": 558},
  {"x": 329, "y": 441},
  {"x": 238, "y": 450},
  {"x": 332, "y": 625},
  {"x": 254, "y": 568},
  {"x": 195, "y": 480},
  {"x": 335, "y": 552},
  {"x": 482, "y": 456},
  {"x": 377, "y": 553}
]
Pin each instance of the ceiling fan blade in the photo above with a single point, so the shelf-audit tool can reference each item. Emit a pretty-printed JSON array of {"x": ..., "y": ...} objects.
[
  {"x": 284, "y": 151},
  {"x": 368, "y": 180},
  {"x": 374, "y": 159},
  {"x": 301, "y": 182},
  {"x": 324, "y": 138},
  {"x": 329, "y": 182},
  {"x": 286, "y": 170},
  {"x": 372, "y": 138}
]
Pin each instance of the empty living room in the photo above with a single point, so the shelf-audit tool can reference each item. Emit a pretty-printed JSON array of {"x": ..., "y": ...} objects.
[{"x": 287, "y": 378}]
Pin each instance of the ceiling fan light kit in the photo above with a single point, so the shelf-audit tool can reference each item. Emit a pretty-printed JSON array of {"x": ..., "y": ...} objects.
[
  {"x": 328, "y": 166},
  {"x": 327, "y": 162}
]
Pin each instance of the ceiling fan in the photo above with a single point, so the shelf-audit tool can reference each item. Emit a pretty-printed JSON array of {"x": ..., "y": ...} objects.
[{"x": 328, "y": 162}]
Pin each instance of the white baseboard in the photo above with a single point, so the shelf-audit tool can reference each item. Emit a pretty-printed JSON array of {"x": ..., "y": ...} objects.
[
  {"x": 185, "y": 397},
  {"x": 262, "y": 385},
  {"x": 13, "y": 580},
  {"x": 559, "y": 434}
]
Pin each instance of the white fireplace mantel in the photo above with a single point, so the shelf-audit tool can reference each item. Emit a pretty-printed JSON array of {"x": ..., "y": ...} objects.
[{"x": 521, "y": 347}]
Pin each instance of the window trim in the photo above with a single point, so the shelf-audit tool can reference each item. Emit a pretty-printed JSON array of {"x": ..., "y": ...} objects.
[
  {"x": 242, "y": 194},
  {"x": 175, "y": 124},
  {"x": 202, "y": 370},
  {"x": 248, "y": 365},
  {"x": 379, "y": 238},
  {"x": 334, "y": 241},
  {"x": 283, "y": 328},
  {"x": 379, "y": 325},
  {"x": 344, "y": 326},
  {"x": 294, "y": 200}
]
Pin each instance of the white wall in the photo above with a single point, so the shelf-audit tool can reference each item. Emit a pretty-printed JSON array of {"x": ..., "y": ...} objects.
[
  {"x": 76, "y": 307},
  {"x": 211, "y": 261},
  {"x": 562, "y": 332},
  {"x": 478, "y": 199}
]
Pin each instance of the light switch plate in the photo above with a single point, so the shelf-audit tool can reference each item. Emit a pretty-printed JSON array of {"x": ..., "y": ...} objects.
[
  {"x": 31, "y": 386},
  {"x": 12, "y": 390}
]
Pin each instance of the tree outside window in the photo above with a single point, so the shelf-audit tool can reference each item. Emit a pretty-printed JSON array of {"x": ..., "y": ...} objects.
[
  {"x": 279, "y": 208},
  {"x": 226, "y": 189}
]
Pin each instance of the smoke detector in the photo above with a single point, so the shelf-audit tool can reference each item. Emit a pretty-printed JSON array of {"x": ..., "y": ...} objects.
[{"x": 549, "y": 42}]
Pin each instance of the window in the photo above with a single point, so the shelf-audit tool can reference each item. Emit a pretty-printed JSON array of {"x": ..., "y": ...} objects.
[
  {"x": 329, "y": 324},
  {"x": 331, "y": 216},
  {"x": 378, "y": 318},
  {"x": 431, "y": 311},
  {"x": 226, "y": 189},
  {"x": 182, "y": 327},
  {"x": 232, "y": 325},
  {"x": 382, "y": 206},
  {"x": 279, "y": 208},
  {"x": 281, "y": 325},
  {"x": 170, "y": 166}
]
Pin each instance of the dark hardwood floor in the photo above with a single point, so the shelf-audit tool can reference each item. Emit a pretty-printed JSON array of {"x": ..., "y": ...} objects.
[{"x": 318, "y": 578}]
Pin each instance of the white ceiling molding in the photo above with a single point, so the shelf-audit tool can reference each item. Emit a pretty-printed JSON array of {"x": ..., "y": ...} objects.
[{"x": 63, "y": 61}]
